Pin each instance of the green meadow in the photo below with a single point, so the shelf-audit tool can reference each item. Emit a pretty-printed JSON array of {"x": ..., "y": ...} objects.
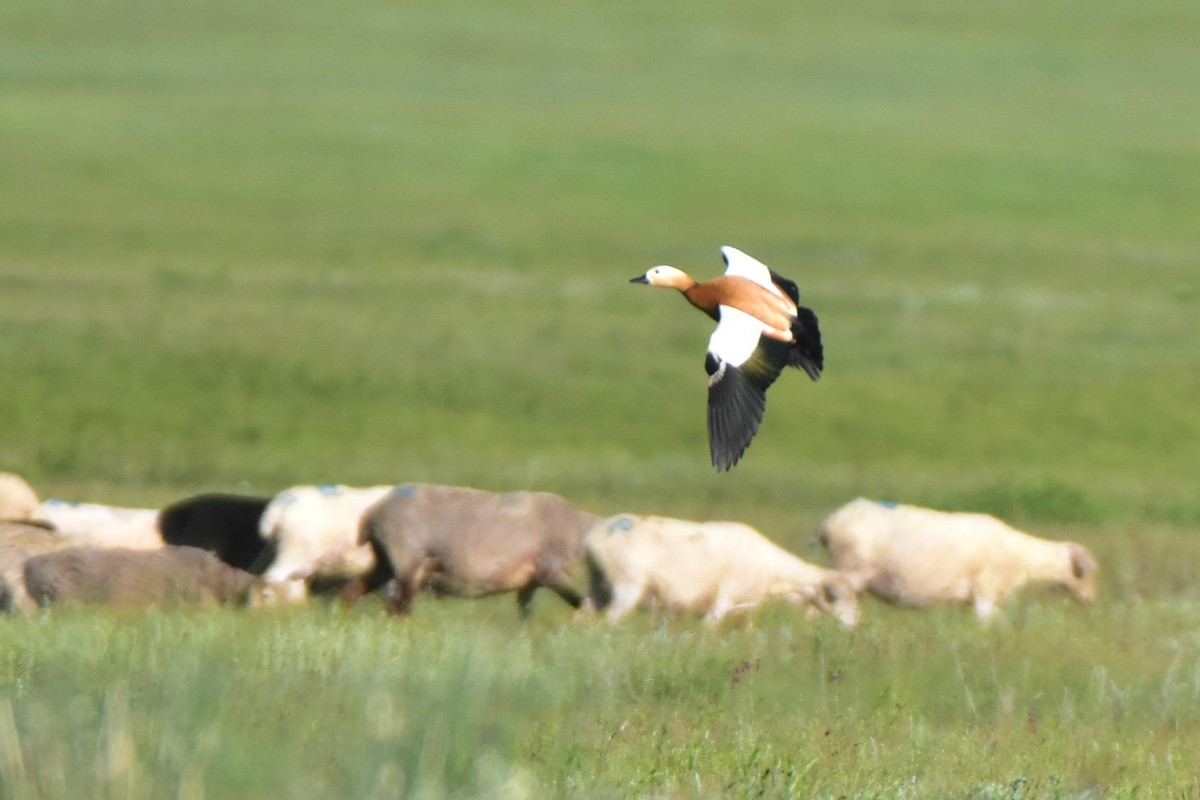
[{"x": 250, "y": 245}]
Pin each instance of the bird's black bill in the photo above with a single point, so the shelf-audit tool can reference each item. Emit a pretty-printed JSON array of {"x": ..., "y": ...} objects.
[{"x": 639, "y": 279}]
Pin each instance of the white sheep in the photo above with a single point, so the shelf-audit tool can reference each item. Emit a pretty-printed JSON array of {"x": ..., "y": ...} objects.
[
  {"x": 918, "y": 556},
  {"x": 104, "y": 525},
  {"x": 18, "y": 500},
  {"x": 315, "y": 532},
  {"x": 709, "y": 568}
]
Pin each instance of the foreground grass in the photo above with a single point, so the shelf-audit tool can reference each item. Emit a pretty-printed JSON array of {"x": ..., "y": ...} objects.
[{"x": 462, "y": 700}]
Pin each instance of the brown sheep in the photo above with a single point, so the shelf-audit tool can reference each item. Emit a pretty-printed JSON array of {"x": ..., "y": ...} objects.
[
  {"x": 135, "y": 578},
  {"x": 19, "y": 542},
  {"x": 470, "y": 542}
]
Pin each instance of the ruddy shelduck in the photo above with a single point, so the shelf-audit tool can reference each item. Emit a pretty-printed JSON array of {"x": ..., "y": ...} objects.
[{"x": 761, "y": 328}]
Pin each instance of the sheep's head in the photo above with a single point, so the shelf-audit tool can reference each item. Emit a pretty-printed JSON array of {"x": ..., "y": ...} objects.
[
  {"x": 271, "y": 594},
  {"x": 18, "y": 501},
  {"x": 1083, "y": 583},
  {"x": 836, "y": 597}
]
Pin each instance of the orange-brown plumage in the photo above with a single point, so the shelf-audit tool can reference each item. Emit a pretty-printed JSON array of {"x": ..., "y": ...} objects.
[{"x": 773, "y": 310}]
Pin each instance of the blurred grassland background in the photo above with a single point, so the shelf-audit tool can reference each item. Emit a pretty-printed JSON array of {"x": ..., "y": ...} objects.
[{"x": 244, "y": 246}]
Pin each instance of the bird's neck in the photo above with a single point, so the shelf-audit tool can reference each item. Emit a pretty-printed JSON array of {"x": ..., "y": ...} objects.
[{"x": 696, "y": 298}]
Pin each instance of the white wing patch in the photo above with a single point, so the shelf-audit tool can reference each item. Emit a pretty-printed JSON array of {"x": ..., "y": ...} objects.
[
  {"x": 736, "y": 336},
  {"x": 746, "y": 266}
]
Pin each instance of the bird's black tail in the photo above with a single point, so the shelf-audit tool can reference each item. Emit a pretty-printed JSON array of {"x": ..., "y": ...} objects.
[{"x": 807, "y": 353}]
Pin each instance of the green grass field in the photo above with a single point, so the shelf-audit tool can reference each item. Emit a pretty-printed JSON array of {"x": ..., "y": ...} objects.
[{"x": 244, "y": 246}]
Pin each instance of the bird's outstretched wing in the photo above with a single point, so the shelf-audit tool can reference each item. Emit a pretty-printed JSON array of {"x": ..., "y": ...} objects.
[
  {"x": 747, "y": 266},
  {"x": 741, "y": 364}
]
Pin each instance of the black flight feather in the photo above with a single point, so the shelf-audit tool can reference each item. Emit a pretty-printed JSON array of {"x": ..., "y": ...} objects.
[
  {"x": 789, "y": 286},
  {"x": 735, "y": 410},
  {"x": 737, "y": 399}
]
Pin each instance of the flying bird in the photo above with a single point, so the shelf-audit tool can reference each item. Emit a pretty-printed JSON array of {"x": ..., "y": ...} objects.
[{"x": 761, "y": 328}]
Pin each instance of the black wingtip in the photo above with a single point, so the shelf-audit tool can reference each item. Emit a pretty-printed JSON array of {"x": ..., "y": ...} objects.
[{"x": 735, "y": 411}]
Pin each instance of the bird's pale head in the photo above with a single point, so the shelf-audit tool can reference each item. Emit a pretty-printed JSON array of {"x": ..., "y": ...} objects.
[{"x": 665, "y": 276}]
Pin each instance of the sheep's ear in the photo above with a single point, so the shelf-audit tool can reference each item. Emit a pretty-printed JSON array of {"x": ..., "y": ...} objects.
[
  {"x": 1082, "y": 563},
  {"x": 822, "y": 596}
]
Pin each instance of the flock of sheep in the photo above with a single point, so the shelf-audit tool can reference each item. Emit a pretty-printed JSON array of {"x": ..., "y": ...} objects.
[{"x": 443, "y": 540}]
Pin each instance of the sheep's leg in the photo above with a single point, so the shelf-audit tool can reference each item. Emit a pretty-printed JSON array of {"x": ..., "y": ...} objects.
[
  {"x": 353, "y": 590},
  {"x": 859, "y": 579},
  {"x": 406, "y": 584},
  {"x": 561, "y": 585},
  {"x": 586, "y": 610},
  {"x": 599, "y": 587},
  {"x": 525, "y": 597},
  {"x": 400, "y": 595},
  {"x": 985, "y": 608},
  {"x": 717, "y": 611},
  {"x": 379, "y": 575},
  {"x": 625, "y": 598}
]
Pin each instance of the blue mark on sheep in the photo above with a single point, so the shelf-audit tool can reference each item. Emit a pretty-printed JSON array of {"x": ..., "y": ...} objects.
[
  {"x": 329, "y": 490},
  {"x": 885, "y": 503},
  {"x": 620, "y": 525},
  {"x": 404, "y": 490}
]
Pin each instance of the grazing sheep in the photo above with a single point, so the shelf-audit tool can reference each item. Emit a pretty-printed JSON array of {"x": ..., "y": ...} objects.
[
  {"x": 471, "y": 543},
  {"x": 105, "y": 526},
  {"x": 18, "y": 501},
  {"x": 315, "y": 532},
  {"x": 19, "y": 542},
  {"x": 134, "y": 578},
  {"x": 709, "y": 568},
  {"x": 224, "y": 524},
  {"x": 917, "y": 556}
]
